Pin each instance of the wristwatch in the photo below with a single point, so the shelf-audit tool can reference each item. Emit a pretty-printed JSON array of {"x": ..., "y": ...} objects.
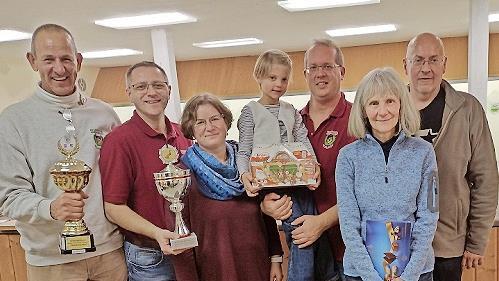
[{"x": 276, "y": 258}]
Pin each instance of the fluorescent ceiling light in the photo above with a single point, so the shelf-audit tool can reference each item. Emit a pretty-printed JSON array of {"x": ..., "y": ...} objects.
[
  {"x": 361, "y": 30},
  {"x": 13, "y": 35},
  {"x": 228, "y": 43},
  {"x": 494, "y": 17},
  {"x": 110, "y": 53},
  {"x": 146, "y": 20},
  {"x": 304, "y": 5}
]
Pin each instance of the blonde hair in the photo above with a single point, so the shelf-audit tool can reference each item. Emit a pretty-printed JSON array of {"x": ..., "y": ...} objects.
[
  {"x": 265, "y": 61},
  {"x": 382, "y": 81},
  {"x": 189, "y": 115}
]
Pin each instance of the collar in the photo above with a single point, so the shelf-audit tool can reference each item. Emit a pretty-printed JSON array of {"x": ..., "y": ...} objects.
[
  {"x": 338, "y": 111},
  {"x": 400, "y": 138},
  {"x": 71, "y": 101},
  {"x": 144, "y": 127},
  {"x": 453, "y": 99}
]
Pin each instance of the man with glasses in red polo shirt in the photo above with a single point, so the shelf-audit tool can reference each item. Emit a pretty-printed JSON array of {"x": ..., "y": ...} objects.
[{"x": 129, "y": 157}]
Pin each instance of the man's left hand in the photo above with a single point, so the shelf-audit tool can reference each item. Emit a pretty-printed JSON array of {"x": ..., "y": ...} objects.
[
  {"x": 471, "y": 260},
  {"x": 310, "y": 229}
]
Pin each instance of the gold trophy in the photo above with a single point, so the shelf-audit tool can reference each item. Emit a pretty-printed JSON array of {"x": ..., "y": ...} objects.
[
  {"x": 71, "y": 175},
  {"x": 172, "y": 183}
]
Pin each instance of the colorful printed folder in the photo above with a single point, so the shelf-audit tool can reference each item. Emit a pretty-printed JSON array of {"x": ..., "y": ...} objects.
[{"x": 388, "y": 244}]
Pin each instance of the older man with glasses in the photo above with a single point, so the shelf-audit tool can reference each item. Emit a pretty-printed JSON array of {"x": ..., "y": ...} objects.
[
  {"x": 455, "y": 123},
  {"x": 129, "y": 157}
]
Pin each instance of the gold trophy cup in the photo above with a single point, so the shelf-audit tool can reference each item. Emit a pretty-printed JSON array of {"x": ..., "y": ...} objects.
[
  {"x": 71, "y": 175},
  {"x": 172, "y": 183}
]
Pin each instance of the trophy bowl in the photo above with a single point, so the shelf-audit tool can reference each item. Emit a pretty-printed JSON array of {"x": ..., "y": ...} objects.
[
  {"x": 72, "y": 175},
  {"x": 172, "y": 183}
]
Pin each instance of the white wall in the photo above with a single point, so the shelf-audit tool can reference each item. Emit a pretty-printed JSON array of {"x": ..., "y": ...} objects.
[
  {"x": 16, "y": 81},
  {"x": 299, "y": 101}
]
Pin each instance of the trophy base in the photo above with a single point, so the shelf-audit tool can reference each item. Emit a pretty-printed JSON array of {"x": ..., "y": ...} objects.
[
  {"x": 76, "y": 244},
  {"x": 186, "y": 242}
]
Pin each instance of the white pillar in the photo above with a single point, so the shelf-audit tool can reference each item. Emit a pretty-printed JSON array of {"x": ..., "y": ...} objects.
[
  {"x": 164, "y": 55},
  {"x": 478, "y": 50}
]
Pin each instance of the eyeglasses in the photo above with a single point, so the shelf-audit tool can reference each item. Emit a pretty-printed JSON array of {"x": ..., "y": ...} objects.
[
  {"x": 325, "y": 68},
  {"x": 213, "y": 120},
  {"x": 156, "y": 85},
  {"x": 433, "y": 61}
]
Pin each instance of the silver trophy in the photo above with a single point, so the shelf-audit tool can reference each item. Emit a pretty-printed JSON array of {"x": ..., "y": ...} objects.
[{"x": 172, "y": 183}]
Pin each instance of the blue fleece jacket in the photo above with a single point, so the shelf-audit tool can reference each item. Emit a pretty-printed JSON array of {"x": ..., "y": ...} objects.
[{"x": 404, "y": 189}]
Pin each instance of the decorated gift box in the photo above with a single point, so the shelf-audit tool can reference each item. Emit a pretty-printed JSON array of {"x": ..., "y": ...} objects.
[
  {"x": 388, "y": 244},
  {"x": 282, "y": 165}
]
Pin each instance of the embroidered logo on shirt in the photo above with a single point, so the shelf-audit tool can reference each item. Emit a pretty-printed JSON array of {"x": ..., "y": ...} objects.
[
  {"x": 98, "y": 137},
  {"x": 329, "y": 139}
]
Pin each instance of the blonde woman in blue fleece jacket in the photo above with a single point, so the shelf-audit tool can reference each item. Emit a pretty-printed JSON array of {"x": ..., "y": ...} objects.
[{"x": 386, "y": 175}]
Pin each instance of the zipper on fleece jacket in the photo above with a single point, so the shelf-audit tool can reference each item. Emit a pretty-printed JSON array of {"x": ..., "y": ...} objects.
[{"x": 386, "y": 173}]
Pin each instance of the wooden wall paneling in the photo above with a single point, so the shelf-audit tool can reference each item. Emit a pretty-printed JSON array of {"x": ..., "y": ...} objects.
[
  {"x": 494, "y": 55},
  {"x": 18, "y": 258},
  {"x": 232, "y": 77},
  {"x": 6, "y": 264},
  {"x": 297, "y": 83},
  {"x": 456, "y": 50},
  {"x": 110, "y": 85},
  {"x": 362, "y": 59},
  {"x": 469, "y": 275},
  {"x": 225, "y": 77}
]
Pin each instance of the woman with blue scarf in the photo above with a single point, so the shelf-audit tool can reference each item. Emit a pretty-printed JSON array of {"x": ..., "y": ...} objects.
[{"x": 236, "y": 241}]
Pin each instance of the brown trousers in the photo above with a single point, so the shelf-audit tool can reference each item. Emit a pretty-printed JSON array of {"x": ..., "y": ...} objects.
[{"x": 106, "y": 267}]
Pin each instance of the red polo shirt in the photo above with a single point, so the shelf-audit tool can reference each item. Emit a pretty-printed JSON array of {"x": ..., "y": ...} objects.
[
  {"x": 330, "y": 136},
  {"x": 128, "y": 159}
]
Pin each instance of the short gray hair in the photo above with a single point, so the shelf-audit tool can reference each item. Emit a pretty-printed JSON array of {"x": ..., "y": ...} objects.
[
  {"x": 50, "y": 27},
  {"x": 382, "y": 81},
  {"x": 142, "y": 64}
]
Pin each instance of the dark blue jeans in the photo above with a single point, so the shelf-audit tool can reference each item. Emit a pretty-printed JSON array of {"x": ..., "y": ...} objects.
[
  {"x": 448, "y": 269},
  {"x": 146, "y": 264},
  {"x": 424, "y": 277},
  {"x": 315, "y": 262}
]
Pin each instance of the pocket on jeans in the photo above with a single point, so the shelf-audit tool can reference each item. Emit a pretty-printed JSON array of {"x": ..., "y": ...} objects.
[{"x": 143, "y": 257}]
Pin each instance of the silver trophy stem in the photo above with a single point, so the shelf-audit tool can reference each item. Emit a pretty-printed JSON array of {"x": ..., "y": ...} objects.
[{"x": 180, "y": 227}]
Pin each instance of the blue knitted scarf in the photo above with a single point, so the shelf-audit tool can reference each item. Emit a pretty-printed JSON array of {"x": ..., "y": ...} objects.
[{"x": 216, "y": 180}]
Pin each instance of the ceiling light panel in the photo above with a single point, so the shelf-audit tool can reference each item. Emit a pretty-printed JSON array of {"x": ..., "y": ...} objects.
[
  {"x": 146, "y": 20},
  {"x": 228, "y": 43},
  {"x": 13, "y": 35},
  {"x": 361, "y": 30},
  {"x": 305, "y": 5},
  {"x": 110, "y": 53}
]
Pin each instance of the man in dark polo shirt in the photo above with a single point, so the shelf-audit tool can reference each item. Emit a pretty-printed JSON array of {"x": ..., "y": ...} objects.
[
  {"x": 129, "y": 157},
  {"x": 326, "y": 118}
]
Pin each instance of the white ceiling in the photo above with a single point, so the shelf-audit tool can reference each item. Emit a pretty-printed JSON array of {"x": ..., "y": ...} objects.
[{"x": 226, "y": 19}]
